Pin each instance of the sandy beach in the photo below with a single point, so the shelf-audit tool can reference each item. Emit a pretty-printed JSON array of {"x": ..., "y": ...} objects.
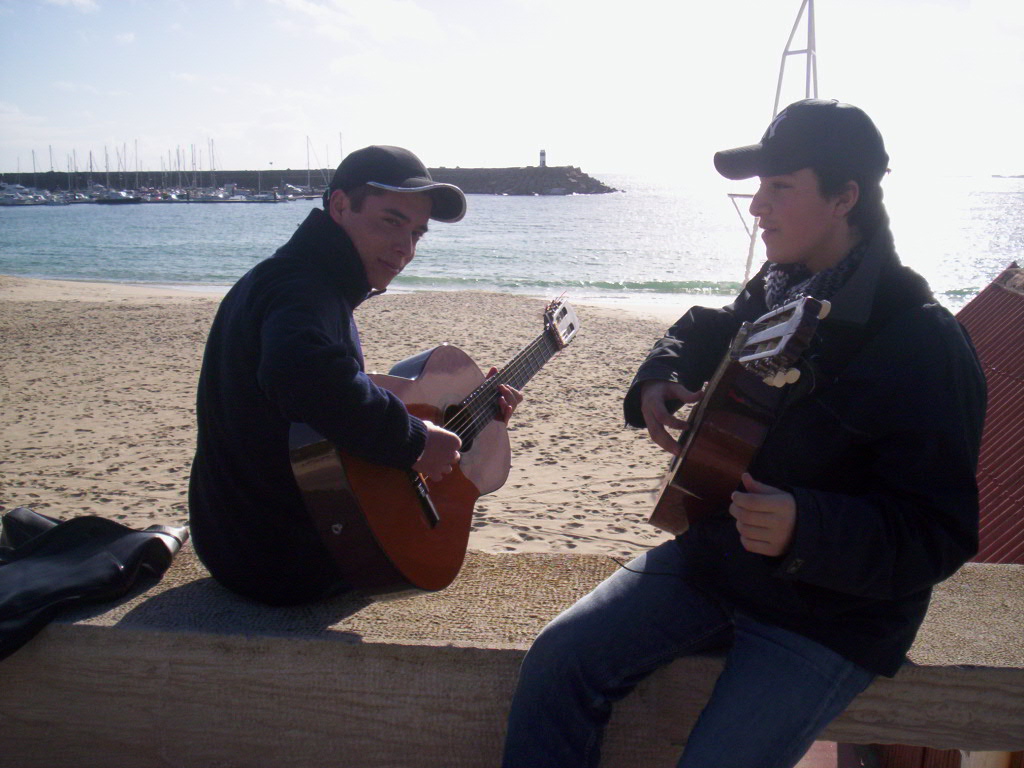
[{"x": 98, "y": 385}]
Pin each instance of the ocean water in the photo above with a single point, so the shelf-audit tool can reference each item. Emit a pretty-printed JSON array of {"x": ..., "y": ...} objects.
[{"x": 654, "y": 243}]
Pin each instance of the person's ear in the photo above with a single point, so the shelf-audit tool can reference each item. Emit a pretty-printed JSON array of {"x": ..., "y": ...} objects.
[
  {"x": 337, "y": 203},
  {"x": 847, "y": 198}
]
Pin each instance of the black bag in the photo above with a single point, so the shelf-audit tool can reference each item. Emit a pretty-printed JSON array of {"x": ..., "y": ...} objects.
[{"x": 47, "y": 565}]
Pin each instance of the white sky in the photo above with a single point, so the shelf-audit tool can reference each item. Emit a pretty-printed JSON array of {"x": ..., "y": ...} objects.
[{"x": 624, "y": 86}]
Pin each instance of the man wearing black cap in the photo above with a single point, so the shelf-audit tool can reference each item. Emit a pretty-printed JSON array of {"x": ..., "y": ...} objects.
[
  {"x": 284, "y": 348},
  {"x": 817, "y": 575}
]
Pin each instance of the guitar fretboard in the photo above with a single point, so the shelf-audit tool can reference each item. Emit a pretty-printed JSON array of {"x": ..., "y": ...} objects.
[{"x": 481, "y": 406}]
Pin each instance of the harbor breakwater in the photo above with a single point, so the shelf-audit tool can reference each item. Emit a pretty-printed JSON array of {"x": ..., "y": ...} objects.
[
  {"x": 531, "y": 180},
  {"x": 528, "y": 180}
]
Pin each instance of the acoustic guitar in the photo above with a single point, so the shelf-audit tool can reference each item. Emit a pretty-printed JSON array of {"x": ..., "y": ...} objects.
[
  {"x": 731, "y": 420},
  {"x": 394, "y": 532}
]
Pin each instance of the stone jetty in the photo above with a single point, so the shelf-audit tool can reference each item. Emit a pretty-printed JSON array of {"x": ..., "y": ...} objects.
[{"x": 530, "y": 180}]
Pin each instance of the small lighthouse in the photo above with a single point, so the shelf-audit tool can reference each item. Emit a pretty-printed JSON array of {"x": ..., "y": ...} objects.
[{"x": 543, "y": 159}]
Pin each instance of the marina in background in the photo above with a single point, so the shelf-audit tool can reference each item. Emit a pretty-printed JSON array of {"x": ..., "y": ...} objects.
[{"x": 268, "y": 186}]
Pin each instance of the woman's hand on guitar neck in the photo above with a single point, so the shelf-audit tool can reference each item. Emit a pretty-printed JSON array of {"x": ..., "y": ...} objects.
[
  {"x": 654, "y": 397},
  {"x": 440, "y": 452}
]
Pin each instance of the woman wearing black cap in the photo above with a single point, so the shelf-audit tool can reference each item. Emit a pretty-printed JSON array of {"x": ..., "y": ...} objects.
[{"x": 815, "y": 573}]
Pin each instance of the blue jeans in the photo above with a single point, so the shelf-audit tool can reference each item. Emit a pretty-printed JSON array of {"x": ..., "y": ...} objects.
[{"x": 777, "y": 692}]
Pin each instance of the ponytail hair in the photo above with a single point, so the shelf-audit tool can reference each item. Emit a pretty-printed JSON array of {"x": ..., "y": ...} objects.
[{"x": 869, "y": 213}]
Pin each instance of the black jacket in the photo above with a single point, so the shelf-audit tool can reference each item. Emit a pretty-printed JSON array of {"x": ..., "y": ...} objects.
[
  {"x": 878, "y": 442},
  {"x": 284, "y": 348}
]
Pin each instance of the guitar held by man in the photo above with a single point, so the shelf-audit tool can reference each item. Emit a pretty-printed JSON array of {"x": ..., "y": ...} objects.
[
  {"x": 393, "y": 532},
  {"x": 734, "y": 413}
]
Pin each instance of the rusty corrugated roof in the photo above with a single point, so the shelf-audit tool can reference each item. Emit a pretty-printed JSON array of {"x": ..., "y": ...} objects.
[{"x": 995, "y": 320}]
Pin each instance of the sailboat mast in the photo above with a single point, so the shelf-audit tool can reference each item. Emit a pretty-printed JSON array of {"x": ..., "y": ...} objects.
[{"x": 213, "y": 167}]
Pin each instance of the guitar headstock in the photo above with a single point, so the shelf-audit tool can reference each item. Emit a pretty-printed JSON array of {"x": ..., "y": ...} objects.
[
  {"x": 771, "y": 345},
  {"x": 561, "y": 322}
]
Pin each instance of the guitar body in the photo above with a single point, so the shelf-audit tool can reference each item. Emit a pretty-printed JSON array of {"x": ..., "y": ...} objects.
[
  {"x": 372, "y": 517},
  {"x": 724, "y": 434},
  {"x": 732, "y": 418},
  {"x": 392, "y": 532}
]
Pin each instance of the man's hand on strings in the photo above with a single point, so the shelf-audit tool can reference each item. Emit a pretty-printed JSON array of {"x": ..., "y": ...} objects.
[
  {"x": 765, "y": 517},
  {"x": 654, "y": 397},
  {"x": 508, "y": 398}
]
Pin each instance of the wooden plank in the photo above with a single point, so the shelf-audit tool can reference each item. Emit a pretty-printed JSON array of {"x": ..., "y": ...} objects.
[{"x": 188, "y": 675}]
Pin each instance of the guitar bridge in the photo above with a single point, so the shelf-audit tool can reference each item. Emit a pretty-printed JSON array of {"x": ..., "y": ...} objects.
[{"x": 423, "y": 496}]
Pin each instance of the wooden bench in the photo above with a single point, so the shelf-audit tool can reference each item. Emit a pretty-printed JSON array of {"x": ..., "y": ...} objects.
[{"x": 186, "y": 674}]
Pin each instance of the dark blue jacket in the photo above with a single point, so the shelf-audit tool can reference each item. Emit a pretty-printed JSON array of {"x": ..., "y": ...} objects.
[
  {"x": 878, "y": 442},
  {"x": 284, "y": 347}
]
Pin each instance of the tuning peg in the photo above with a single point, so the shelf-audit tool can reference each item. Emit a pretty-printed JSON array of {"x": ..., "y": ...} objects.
[{"x": 782, "y": 377}]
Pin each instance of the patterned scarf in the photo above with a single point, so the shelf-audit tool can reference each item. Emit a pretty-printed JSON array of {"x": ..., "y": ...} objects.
[{"x": 786, "y": 282}]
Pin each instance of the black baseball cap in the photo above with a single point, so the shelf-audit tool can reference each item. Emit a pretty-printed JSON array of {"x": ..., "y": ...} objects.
[
  {"x": 397, "y": 170},
  {"x": 813, "y": 133}
]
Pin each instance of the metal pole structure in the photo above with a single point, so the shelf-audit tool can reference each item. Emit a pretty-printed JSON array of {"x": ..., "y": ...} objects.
[
  {"x": 810, "y": 64},
  {"x": 810, "y": 92},
  {"x": 811, "y": 73}
]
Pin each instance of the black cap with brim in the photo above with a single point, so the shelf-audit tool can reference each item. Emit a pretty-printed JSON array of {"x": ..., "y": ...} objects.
[
  {"x": 397, "y": 170},
  {"x": 449, "y": 204},
  {"x": 813, "y": 133},
  {"x": 742, "y": 162}
]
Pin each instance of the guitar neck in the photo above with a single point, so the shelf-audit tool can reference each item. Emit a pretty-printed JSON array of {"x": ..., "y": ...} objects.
[
  {"x": 481, "y": 406},
  {"x": 531, "y": 359}
]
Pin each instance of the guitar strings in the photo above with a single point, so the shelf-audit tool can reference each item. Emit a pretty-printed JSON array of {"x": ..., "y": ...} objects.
[
  {"x": 470, "y": 413},
  {"x": 474, "y": 413},
  {"x": 477, "y": 413}
]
